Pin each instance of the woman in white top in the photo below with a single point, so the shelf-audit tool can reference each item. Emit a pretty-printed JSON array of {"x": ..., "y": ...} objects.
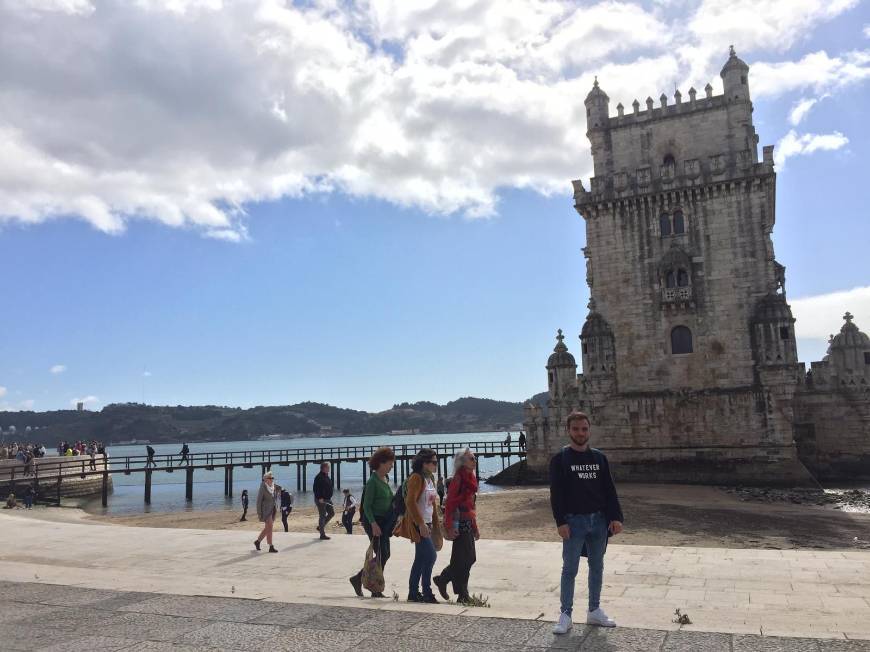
[
  {"x": 349, "y": 511},
  {"x": 421, "y": 517}
]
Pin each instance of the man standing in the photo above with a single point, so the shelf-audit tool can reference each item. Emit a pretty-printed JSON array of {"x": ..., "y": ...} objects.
[
  {"x": 522, "y": 440},
  {"x": 150, "y": 462},
  {"x": 587, "y": 512},
  {"x": 323, "y": 498},
  {"x": 184, "y": 453},
  {"x": 348, "y": 511}
]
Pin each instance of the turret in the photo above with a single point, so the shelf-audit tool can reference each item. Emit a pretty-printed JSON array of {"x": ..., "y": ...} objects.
[
  {"x": 561, "y": 370},
  {"x": 599, "y": 352},
  {"x": 597, "y": 125},
  {"x": 735, "y": 78},
  {"x": 849, "y": 356},
  {"x": 773, "y": 332}
]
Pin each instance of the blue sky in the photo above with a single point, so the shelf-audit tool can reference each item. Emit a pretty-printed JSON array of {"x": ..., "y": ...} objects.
[{"x": 415, "y": 242}]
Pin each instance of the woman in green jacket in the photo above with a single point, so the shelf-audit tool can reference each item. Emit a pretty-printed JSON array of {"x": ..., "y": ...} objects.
[{"x": 377, "y": 510}]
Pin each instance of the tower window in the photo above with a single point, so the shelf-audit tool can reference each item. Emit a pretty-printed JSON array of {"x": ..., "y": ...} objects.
[
  {"x": 681, "y": 340},
  {"x": 585, "y": 349},
  {"x": 669, "y": 161},
  {"x": 665, "y": 224},
  {"x": 679, "y": 222},
  {"x": 783, "y": 333},
  {"x": 866, "y": 357},
  {"x": 682, "y": 278},
  {"x": 670, "y": 279},
  {"x": 551, "y": 377}
]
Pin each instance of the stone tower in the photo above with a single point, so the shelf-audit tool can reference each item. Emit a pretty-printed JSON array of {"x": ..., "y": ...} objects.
[{"x": 689, "y": 362}]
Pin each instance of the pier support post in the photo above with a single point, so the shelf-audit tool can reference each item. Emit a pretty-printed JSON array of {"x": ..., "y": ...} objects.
[
  {"x": 188, "y": 484},
  {"x": 304, "y": 478},
  {"x": 364, "y": 478},
  {"x": 338, "y": 475},
  {"x": 148, "y": 487},
  {"x": 226, "y": 481},
  {"x": 230, "y": 481},
  {"x": 59, "y": 480},
  {"x": 396, "y": 471},
  {"x": 298, "y": 478},
  {"x": 105, "y": 491},
  {"x": 477, "y": 468}
]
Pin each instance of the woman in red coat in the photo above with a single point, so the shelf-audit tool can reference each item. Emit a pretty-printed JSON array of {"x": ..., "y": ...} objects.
[{"x": 460, "y": 526}]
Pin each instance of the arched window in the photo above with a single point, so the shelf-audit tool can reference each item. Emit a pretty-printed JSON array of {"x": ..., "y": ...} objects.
[
  {"x": 669, "y": 161},
  {"x": 670, "y": 279},
  {"x": 665, "y": 224},
  {"x": 681, "y": 340},
  {"x": 682, "y": 278},
  {"x": 679, "y": 222}
]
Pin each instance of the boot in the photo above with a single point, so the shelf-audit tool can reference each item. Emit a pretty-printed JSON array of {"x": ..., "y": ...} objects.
[
  {"x": 441, "y": 582},
  {"x": 273, "y": 549},
  {"x": 356, "y": 583},
  {"x": 257, "y": 544}
]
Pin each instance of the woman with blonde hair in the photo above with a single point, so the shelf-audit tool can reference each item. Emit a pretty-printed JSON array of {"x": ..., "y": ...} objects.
[
  {"x": 420, "y": 519},
  {"x": 460, "y": 526},
  {"x": 266, "y": 508}
]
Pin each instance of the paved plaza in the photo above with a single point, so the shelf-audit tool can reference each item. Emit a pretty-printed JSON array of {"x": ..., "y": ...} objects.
[{"x": 210, "y": 589}]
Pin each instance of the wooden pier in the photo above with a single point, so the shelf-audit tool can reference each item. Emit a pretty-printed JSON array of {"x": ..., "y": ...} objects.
[{"x": 55, "y": 469}]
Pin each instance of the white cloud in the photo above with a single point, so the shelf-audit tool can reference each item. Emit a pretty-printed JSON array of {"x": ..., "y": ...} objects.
[
  {"x": 816, "y": 71},
  {"x": 800, "y": 110},
  {"x": 867, "y": 31},
  {"x": 27, "y": 404},
  {"x": 146, "y": 374},
  {"x": 187, "y": 111},
  {"x": 793, "y": 144},
  {"x": 822, "y": 315},
  {"x": 87, "y": 400},
  {"x": 58, "y": 369},
  {"x": 3, "y": 391}
]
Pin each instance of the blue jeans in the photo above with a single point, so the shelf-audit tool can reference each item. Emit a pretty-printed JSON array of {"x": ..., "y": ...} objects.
[
  {"x": 421, "y": 570},
  {"x": 590, "y": 529}
]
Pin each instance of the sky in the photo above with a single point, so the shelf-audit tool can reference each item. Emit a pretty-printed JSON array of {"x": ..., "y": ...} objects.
[{"x": 364, "y": 203}]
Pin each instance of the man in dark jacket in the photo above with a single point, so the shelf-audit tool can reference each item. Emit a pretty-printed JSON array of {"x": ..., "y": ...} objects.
[
  {"x": 185, "y": 451},
  {"x": 323, "y": 498},
  {"x": 150, "y": 461},
  {"x": 587, "y": 511}
]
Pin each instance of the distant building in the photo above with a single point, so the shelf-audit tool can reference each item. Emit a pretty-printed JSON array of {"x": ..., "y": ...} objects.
[
  {"x": 690, "y": 369},
  {"x": 80, "y": 406}
]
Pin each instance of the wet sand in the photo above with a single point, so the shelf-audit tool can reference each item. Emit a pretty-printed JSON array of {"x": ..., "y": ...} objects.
[{"x": 666, "y": 515}]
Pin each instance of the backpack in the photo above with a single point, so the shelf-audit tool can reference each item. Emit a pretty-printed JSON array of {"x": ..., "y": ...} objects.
[{"x": 398, "y": 505}]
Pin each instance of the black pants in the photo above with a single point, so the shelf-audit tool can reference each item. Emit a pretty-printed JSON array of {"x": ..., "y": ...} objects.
[
  {"x": 244, "y": 514},
  {"x": 382, "y": 547},
  {"x": 285, "y": 512},
  {"x": 462, "y": 558},
  {"x": 326, "y": 511},
  {"x": 347, "y": 519}
]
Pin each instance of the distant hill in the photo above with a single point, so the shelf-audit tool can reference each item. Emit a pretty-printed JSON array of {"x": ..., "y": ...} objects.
[{"x": 127, "y": 421}]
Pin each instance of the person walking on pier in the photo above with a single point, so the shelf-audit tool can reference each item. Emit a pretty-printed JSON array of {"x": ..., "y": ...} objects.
[
  {"x": 348, "y": 510},
  {"x": 323, "y": 497},
  {"x": 286, "y": 507},
  {"x": 184, "y": 453},
  {"x": 377, "y": 515},
  {"x": 421, "y": 517},
  {"x": 460, "y": 526},
  {"x": 266, "y": 508},
  {"x": 150, "y": 461},
  {"x": 522, "y": 441},
  {"x": 587, "y": 511},
  {"x": 244, "y": 505}
]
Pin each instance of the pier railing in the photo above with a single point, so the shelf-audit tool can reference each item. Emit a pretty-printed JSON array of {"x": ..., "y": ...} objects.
[{"x": 82, "y": 466}]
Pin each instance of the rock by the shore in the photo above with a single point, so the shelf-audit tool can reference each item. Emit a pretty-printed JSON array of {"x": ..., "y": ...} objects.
[{"x": 843, "y": 499}]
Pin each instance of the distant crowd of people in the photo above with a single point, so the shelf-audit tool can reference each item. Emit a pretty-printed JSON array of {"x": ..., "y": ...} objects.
[{"x": 89, "y": 449}]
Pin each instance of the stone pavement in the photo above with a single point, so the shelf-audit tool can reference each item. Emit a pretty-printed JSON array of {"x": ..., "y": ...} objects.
[
  {"x": 802, "y": 594},
  {"x": 68, "y": 619}
]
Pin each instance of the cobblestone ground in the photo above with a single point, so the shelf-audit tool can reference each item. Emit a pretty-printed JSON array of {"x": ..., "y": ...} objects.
[{"x": 68, "y": 619}]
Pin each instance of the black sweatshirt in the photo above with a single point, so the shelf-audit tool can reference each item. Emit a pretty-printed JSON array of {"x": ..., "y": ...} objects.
[
  {"x": 585, "y": 488},
  {"x": 322, "y": 486}
]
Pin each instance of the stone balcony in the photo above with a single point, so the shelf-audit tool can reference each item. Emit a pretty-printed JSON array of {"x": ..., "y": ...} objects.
[{"x": 677, "y": 295}]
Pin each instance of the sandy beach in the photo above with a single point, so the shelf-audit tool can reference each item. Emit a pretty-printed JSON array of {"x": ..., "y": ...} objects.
[{"x": 670, "y": 515}]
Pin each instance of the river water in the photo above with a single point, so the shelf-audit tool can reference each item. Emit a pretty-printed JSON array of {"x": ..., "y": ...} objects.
[{"x": 167, "y": 489}]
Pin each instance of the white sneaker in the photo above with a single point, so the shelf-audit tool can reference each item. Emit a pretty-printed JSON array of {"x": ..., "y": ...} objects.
[
  {"x": 598, "y": 617},
  {"x": 564, "y": 625}
]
